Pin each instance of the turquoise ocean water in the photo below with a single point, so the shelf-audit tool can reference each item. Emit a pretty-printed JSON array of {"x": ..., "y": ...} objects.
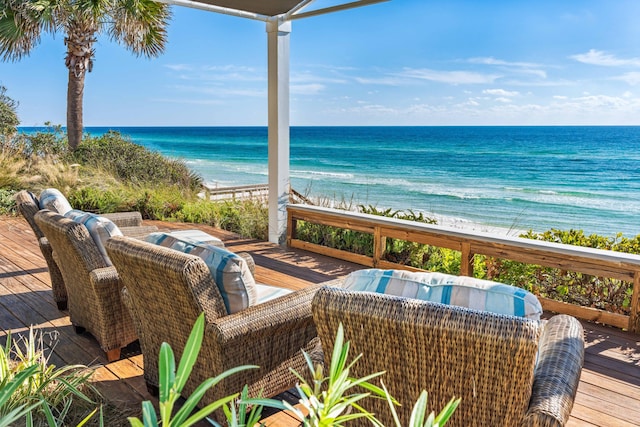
[{"x": 510, "y": 177}]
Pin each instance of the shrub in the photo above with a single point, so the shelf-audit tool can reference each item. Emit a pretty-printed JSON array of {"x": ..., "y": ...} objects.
[
  {"x": 7, "y": 204},
  {"x": 8, "y": 116},
  {"x": 134, "y": 163},
  {"x": 568, "y": 286},
  {"x": 249, "y": 218}
]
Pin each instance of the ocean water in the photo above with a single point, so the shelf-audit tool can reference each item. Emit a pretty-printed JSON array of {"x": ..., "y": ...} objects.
[{"x": 507, "y": 177}]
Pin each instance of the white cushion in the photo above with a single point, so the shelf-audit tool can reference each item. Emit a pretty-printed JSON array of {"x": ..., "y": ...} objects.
[
  {"x": 197, "y": 236},
  {"x": 266, "y": 293},
  {"x": 100, "y": 229},
  {"x": 54, "y": 201},
  {"x": 448, "y": 289},
  {"x": 230, "y": 271}
]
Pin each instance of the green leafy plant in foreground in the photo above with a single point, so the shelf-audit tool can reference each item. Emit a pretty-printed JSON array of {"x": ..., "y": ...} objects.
[
  {"x": 419, "y": 412},
  {"x": 37, "y": 391},
  {"x": 330, "y": 401},
  {"x": 172, "y": 382}
]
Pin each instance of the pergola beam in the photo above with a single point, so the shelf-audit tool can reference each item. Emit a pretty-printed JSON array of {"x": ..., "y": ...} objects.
[
  {"x": 292, "y": 16},
  {"x": 218, "y": 9}
]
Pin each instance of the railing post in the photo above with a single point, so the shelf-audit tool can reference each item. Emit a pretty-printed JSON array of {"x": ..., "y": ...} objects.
[
  {"x": 466, "y": 260},
  {"x": 634, "y": 318},
  {"x": 292, "y": 224},
  {"x": 379, "y": 243}
]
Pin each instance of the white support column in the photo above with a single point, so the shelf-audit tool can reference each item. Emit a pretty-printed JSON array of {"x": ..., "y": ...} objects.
[{"x": 278, "y": 76}]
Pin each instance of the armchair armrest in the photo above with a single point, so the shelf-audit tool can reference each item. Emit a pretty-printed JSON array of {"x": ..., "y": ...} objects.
[
  {"x": 557, "y": 372},
  {"x": 107, "y": 285},
  {"x": 278, "y": 326},
  {"x": 138, "y": 232},
  {"x": 125, "y": 219}
]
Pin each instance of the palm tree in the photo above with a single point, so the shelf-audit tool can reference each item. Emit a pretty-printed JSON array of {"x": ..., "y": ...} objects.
[{"x": 138, "y": 24}]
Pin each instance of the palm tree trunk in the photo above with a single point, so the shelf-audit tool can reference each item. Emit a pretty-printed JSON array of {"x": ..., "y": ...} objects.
[
  {"x": 81, "y": 31},
  {"x": 75, "y": 91}
]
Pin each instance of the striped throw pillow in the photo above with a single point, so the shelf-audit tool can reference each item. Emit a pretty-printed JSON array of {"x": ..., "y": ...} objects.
[
  {"x": 448, "y": 289},
  {"x": 53, "y": 200},
  {"x": 230, "y": 271},
  {"x": 100, "y": 229}
]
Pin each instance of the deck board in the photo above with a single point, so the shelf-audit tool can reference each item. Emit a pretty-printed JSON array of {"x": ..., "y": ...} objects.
[{"x": 608, "y": 394}]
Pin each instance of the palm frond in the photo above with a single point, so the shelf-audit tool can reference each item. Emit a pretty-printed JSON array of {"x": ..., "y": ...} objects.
[
  {"x": 20, "y": 29},
  {"x": 141, "y": 25}
]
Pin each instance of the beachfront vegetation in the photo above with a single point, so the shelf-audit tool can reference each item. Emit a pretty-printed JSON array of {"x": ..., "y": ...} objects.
[
  {"x": 138, "y": 25},
  {"x": 110, "y": 173}
]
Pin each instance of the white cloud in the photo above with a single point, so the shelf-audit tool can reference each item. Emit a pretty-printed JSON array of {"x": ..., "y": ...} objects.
[
  {"x": 308, "y": 77},
  {"x": 308, "y": 89},
  {"x": 188, "y": 101},
  {"x": 500, "y": 92},
  {"x": 493, "y": 61},
  {"x": 450, "y": 77},
  {"x": 520, "y": 67},
  {"x": 598, "y": 57},
  {"x": 383, "y": 81},
  {"x": 230, "y": 67},
  {"x": 560, "y": 97},
  {"x": 632, "y": 78},
  {"x": 504, "y": 100},
  {"x": 178, "y": 67},
  {"x": 221, "y": 92}
]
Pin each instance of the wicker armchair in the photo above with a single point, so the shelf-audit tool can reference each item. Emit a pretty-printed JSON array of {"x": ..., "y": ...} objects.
[
  {"x": 169, "y": 289},
  {"x": 488, "y": 360},
  {"x": 93, "y": 287},
  {"x": 130, "y": 224}
]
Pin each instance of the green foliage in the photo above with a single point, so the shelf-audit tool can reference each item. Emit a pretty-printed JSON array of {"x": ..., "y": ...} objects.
[
  {"x": 334, "y": 400},
  {"x": 51, "y": 142},
  {"x": 577, "y": 288},
  {"x": 334, "y": 237},
  {"x": 249, "y": 218},
  {"x": 8, "y": 115},
  {"x": 419, "y": 412},
  {"x": 133, "y": 163},
  {"x": 44, "y": 393},
  {"x": 246, "y": 412},
  {"x": 7, "y": 204},
  {"x": 408, "y": 215},
  {"x": 172, "y": 382}
]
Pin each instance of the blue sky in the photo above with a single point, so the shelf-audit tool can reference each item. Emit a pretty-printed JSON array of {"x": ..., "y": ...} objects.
[{"x": 404, "y": 62}]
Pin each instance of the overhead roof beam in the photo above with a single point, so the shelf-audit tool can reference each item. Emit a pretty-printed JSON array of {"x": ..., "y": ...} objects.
[
  {"x": 219, "y": 9},
  {"x": 358, "y": 3},
  {"x": 298, "y": 7}
]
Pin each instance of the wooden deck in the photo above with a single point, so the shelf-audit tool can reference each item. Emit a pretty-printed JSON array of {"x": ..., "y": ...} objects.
[{"x": 608, "y": 395}]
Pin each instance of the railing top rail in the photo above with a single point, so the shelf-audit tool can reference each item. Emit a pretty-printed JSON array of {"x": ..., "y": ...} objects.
[
  {"x": 471, "y": 236},
  {"x": 255, "y": 187}
]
